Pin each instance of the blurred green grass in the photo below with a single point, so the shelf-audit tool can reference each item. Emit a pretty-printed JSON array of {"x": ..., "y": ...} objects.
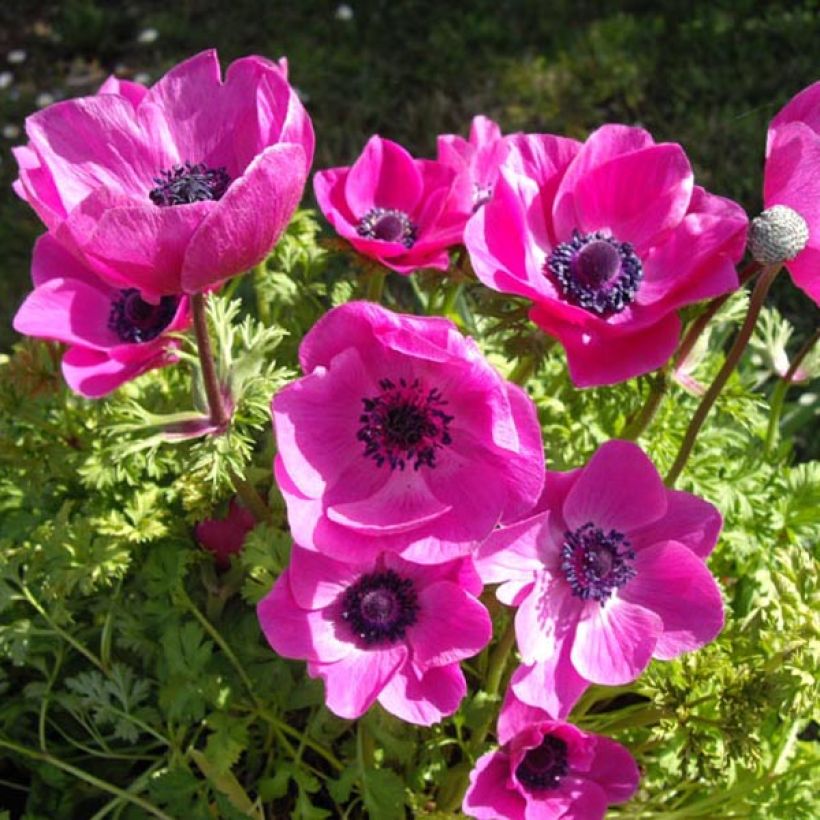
[{"x": 709, "y": 75}]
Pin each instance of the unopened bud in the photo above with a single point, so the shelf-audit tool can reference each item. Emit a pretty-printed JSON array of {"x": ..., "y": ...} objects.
[{"x": 777, "y": 235}]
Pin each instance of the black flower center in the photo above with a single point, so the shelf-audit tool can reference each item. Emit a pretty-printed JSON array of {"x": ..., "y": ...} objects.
[
  {"x": 545, "y": 765},
  {"x": 388, "y": 225},
  {"x": 596, "y": 563},
  {"x": 380, "y": 606},
  {"x": 188, "y": 183},
  {"x": 135, "y": 320},
  {"x": 404, "y": 424},
  {"x": 596, "y": 272}
]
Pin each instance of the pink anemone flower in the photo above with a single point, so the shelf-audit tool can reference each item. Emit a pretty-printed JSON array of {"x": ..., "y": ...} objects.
[
  {"x": 607, "y": 574},
  {"x": 224, "y": 537},
  {"x": 113, "y": 334},
  {"x": 400, "y": 211},
  {"x": 608, "y": 239},
  {"x": 176, "y": 187},
  {"x": 383, "y": 629},
  {"x": 547, "y": 769},
  {"x": 401, "y": 437},
  {"x": 478, "y": 158},
  {"x": 792, "y": 179}
]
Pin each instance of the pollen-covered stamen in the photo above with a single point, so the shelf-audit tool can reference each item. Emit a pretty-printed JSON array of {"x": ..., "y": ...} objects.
[
  {"x": 596, "y": 272},
  {"x": 596, "y": 563},
  {"x": 388, "y": 225},
  {"x": 188, "y": 183},
  {"x": 404, "y": 424},
  {"x": 543, "y": 767},
  {"x": 380, "y": 606},
  {"x": 135, "y": 320}
]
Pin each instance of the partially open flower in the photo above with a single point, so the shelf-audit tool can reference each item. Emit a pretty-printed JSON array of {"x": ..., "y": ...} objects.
[
  {"x": 791, "y": 181},
  {"x": 177, "y": 187},
  {"x": 113, "y": 334},
  {"x": 224, "y": 537},
  {"x": 548, "y": 769},
  {"x": 383, "y": 629},
  {"x": 401, "y": 211}
]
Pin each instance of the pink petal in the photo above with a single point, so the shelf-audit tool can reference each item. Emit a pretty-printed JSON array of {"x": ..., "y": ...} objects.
[
  {"x": 614, "y": 770},
  {"x": 317, "y": 581},
  {"x": 424, "y": 698},
  {"x": 246, "y": 223},
  {"x": 36, "y": 186},
  {"x": 586, "y": 800},
  {"x": 546, "y": 618},
  {"x": 384, "y": 176},
  {"x": 516, "y": 716},
  {"x": 93, "y": 373},
  {"x": 355, "y": 682},
  {"x": 803, "y": 107},
  {"x": 225, "y": 536},
  {"x": 488, "y": 796},
  {"x": 513, "y": 552},
  {"x": 50, "y": 260},
  {"x": 452, "y": 625},
  {"x": 619, "y": 488},
  {"x": 676, "y": 585},
  {"x": 552, "y": 685},
  {"x": 133, "y": 92},
  {"x": 614, "y": 643},
  {"x": 688, "y": 520},
  {"x": 298, "y": 633}
]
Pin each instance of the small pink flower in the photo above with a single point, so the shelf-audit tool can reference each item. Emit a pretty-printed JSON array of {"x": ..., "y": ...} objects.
[
  {"x": 548, "y": 769},
  {"x": 401, "y": 211},
  {"x": 176, "y": 187},
  {"x": 792, "y": 178},
  {"x": 609, "y": 239},
  {"x": 224, "y": 537},
  {"x": 478, "y": 158},
  {"x": 609, "y": 573},
  {"x": 401, "y": 437},
  {"x": 383, "y": 629},
  {"x": 113, "y": 334}
]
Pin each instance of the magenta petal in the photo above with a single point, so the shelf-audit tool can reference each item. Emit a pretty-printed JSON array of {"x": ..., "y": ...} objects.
[
  {"x": 619, "y": 488},
  {"x": 614, "y": 643},
  {"x": 50, "y": 260},
  {"x": 93, "y": 373},
  {"x": 133, "y": 92},
  {"x": 424, "y": 698},
  {"x": 803, "y": 107},
  {"x": 585, "y": 800},
  {"x": 675, "y": 584},
  {"x": 688, "y": 520},
  {"x": 516, "y": 716},
  {"x": 488, "y": 796},
  {"x": 245, "y": 224},
  {"x": 546, "y": 618},
  {"x": 353, "y": 684},
  {"x": 513, "y": 552},
  {"x": 384, "y": 176},
  {"x": 552, "y": 685},
  {"x": 614, "y": 770},
  {"x": 317, "y": 581},
  {"x": 452, "y": 625},
  {"x": 36, "y": 186}
]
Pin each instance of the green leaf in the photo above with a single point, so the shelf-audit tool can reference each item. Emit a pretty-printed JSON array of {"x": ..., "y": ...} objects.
[{"x": 383, "y": 793}]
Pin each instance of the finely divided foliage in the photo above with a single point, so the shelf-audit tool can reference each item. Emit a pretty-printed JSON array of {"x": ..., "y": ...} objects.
[{"x": 305, "y": 556}]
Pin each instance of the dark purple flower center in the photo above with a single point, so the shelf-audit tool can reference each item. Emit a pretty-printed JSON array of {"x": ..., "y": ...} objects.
[
  {"x": 135, "y": 320},
  {"x": 543, "y": 767},
  {"x": 404, "y": 424},
  {"x": 596, "y": 563},
  {"x": 596, "y": 272},
  {"x": 188, "y": 183},
  {"x": 380, "y": 606},
  {"x": 388, "y": 225}
]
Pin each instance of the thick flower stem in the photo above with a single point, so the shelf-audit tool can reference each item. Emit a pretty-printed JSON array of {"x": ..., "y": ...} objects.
[
  {"x": 657, "y": 391},
  {"x": 251, "y": 499},
  {"x": 375, "y": 286},
  {"x": 219, "y": 416},
  {"x": 759, "y": 294},
  {"x": 782, "y": 388},
  {"x": 523, "y": 370}
]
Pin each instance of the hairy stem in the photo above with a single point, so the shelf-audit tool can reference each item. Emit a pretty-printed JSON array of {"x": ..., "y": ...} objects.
[
  {"x": 251, "y": 499},
  {"x": 213, "y": 391},
  {"x": 375, "y": 285},
  {"x": 657, "y": 391},
  {"x": 759, "y": 294}
]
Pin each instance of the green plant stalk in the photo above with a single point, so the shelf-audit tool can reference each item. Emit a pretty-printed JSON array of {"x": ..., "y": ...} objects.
[
  {"x": 251, "y": 498},
  {"x": 659, "y": 388},
  {"x": 375, "y": 285},
  {"x": 759, "y": 294},
  {"x": 522, "y": 371},
  {"x": 80, "y": 774},
  {"x": 451, "y": 294},
  {"x": 782, "y": 388},
  {"x": 213, "y": 390}
]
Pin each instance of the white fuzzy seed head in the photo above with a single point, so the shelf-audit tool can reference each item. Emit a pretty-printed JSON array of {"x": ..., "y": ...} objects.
[{"x": 777, "y": 235}]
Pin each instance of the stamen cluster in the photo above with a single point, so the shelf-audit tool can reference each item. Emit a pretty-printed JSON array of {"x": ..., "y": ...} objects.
[
  {"x": 380, "y": 607},
  {"x": 543, "y": 767},
  {"x": 188, "y": 183},
  {"x": 135, "y": 320},
  {"x": 388, "y": 225}
]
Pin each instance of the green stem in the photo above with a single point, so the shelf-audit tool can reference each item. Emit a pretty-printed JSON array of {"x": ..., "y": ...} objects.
[
  {"x": 80, "y": 774},
  {"x": 657, "y": 391},
  {"x": 251, "y": 498},
  {"x": 782, "y": 388},
  {"x": 375, "y": 285},
  {"x": 213, "y": 390},
  {"x": 365, "y": 747},
  {"x": 522, "y": 371},
  {"x": 759, "y": 294},
  {"x": 287, "y": 729},
  {"x": 451, "y": 294}
]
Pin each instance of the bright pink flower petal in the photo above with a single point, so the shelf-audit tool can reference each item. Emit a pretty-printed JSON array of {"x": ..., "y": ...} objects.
[
  {"x": 584, "y": 800},
  {"x": 546, "y": 618},
  {"x": 488, "y": 796},
  {"x": 317, "y": 581},
  {"x": 803, "y": 107},
  {"x": 424, "y": 698},
  {"x": 516, "y": 716},
  {"x": 513, "y": 552},
  {"x": 675, "y": 584},
  {"x": 133, "y": 92},
  {"x": 35, "y": 185},
  {"x": 452, "y": 625},
  {"x": 614, "y": 770},
  {"x": 94, "y": 374},
  {"x": 688, "y": 520},
  {"x": 614, "y": 643},
  {"x": 50, "y": 260},
  {"x": 552, "y": 685},
  {"x": 256, "y": 207},
  {"x": 619, "y": 488},
  {"x": 354, "y": 683}
]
